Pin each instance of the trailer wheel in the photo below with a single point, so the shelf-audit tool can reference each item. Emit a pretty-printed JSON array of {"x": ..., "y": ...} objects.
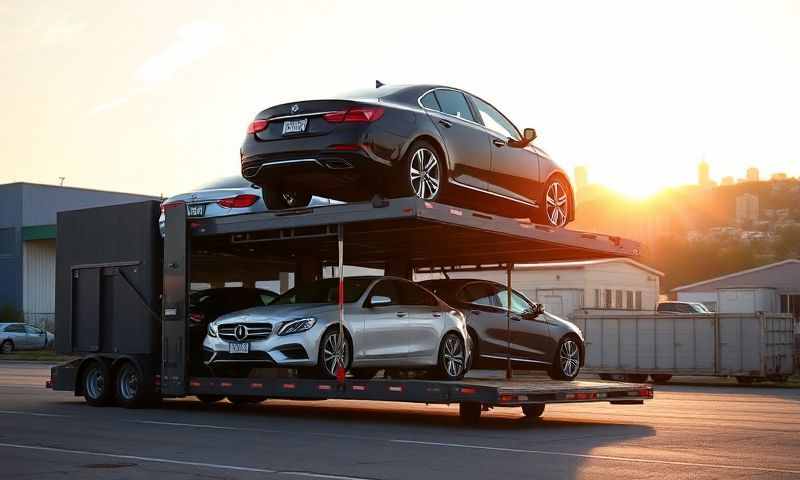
[
  {"x": 364, "y": 373},
  {"x": 209, "y": 399},
  {"x": 745, "y": 380},
  {"x": 131, "y": 390},
  {"x": 98, "y": 386},
  {"x": 534, "y": 410},
  {"x": 660, "y": 377},
  {"x": 239, "y": 400},
  {"x": 470, "y": 412},
  {"x": 636, "y": 378}
]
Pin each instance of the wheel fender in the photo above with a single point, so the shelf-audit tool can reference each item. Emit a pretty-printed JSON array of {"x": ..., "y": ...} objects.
[{"x": 436, "y": 142}]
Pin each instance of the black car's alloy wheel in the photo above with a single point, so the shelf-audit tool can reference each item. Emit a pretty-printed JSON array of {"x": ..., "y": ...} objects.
[
  {"x": 567, "y": 362},
  {"x": 424, "y": 175},
  {"x": 555, "y": 210}
]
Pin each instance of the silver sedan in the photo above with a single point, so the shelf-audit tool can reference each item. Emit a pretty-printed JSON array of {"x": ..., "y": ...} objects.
[
  {"x": 21, "y": 336},
  {"x": 389, "y": 322}
]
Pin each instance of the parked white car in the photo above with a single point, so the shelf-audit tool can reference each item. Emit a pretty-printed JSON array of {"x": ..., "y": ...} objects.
[{"x": 21, "y": 336}]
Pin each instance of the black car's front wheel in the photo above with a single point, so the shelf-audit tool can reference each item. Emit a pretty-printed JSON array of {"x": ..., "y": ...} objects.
[
  {"x": 424, "y": 172},
  {"x": 567, "y": 362},
  {"x": 556, "y": 205},
  {"x": 277, "y": 200}
]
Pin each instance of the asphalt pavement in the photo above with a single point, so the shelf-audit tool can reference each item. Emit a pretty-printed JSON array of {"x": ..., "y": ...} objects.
[{"x": 685, "y": 432}]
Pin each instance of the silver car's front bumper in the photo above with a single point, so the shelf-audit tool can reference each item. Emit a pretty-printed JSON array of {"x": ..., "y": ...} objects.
[{"x": 293, "y": 350}]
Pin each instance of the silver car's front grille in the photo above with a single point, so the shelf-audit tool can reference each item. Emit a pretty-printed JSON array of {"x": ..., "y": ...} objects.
[{"x": 240, "y": 332}]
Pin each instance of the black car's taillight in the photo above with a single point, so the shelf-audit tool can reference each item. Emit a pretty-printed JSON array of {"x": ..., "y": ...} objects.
[
  {"x": 257, "y": 126},
  {"x": 355, "y": 115}
]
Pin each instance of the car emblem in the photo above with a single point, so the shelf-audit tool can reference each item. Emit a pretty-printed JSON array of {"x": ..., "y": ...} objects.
[
  {"x": 194, "y": 196},
  {"x": 295, "y": 108},
  {"x": 240, "y": 332}
]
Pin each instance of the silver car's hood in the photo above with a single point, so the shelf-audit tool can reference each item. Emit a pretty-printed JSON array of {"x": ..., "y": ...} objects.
[{"x": 276, "y": 313}]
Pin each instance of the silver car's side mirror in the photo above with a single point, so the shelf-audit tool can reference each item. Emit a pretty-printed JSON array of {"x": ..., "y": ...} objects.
[{"x": 379, "y": 301}]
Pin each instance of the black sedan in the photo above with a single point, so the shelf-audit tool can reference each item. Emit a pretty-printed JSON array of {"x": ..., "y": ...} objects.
[
  {"x": 437, "y": 143},
  {"x": 539, "y": 340}
]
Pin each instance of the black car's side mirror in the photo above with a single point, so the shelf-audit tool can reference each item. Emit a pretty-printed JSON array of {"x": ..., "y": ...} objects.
[
  {"x": 534, "y": 312},
  {"x": 528, "y": 135}
]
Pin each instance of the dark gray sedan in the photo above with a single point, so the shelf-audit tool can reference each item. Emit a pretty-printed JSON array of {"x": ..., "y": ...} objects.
[
  {"x": 539, "y": 340},
  {"x": 21, "y": 336}
]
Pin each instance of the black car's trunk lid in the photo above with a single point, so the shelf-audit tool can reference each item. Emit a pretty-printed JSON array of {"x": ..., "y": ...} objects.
[{"x": 301, "y": 119}]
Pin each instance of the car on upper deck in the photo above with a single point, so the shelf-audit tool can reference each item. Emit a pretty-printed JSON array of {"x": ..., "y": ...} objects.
[{"x": 434, "y": 142}]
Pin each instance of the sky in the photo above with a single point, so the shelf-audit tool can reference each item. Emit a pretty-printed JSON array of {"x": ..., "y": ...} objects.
[{"x": 155, "y": 97}]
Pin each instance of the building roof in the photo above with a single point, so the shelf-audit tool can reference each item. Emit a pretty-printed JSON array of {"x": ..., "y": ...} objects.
[
  {"x": 736, "y": 274},
  {"x": 585, "y": 263},
  {"x": 81, "y": 189}
]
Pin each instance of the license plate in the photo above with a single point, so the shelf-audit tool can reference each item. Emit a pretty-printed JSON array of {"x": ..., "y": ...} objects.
[
  {"x": 239, "y": 348},
  {"x": 195, "y": 210},
  {"x": 294, "y": 126}
]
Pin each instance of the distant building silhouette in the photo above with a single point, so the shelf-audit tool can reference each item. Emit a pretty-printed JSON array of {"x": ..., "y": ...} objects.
[
  {"x": 777, "y": 177},
  {"x": 581, "y": 177},
  {"x": 703, "y": 177},
  {"x": 752, "y": 174},
  {"x": 746, "y": 208},
  {"x": 727, "y": 181}
]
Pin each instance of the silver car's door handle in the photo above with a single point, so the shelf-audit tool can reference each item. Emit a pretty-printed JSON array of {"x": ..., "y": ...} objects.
[
  {"x": 401, "y": 314},
  {"x": 445, "y": 123},
  {"x": 437, "y": 314},
  {"x": 498, "y": 143}
]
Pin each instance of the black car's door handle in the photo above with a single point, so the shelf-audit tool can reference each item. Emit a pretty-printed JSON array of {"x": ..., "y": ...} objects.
[
  {"x": 445, "y": 123},
  {"x": 499, "y": 143},
  {"x": 515, "y": 318},
  {"x": 401, "y": 314}
]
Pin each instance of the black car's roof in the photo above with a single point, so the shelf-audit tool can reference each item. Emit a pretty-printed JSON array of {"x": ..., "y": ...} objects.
[{"x": 407, "y": 94}]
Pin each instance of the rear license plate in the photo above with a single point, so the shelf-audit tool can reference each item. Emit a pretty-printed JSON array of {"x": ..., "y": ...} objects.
[
  {"x": 239, "y": 348},
  {"x": 294, "y": 126},
  {"x": 195, "y": 210}
]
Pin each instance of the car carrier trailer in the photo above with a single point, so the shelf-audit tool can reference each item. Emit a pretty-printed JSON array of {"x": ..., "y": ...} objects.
[{"x": 122, "y": 294}]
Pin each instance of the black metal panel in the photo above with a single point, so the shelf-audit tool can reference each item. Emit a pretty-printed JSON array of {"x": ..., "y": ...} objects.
[
  {"x": 110, "y": 241},
  {"x": 175, "y": 351}
]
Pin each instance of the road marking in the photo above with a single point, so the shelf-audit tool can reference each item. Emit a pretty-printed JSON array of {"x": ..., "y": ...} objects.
[
  {"x": 33, "y": 414},
  {"x": 180, "y": 462},
  {"x": 601, "y": 457}
]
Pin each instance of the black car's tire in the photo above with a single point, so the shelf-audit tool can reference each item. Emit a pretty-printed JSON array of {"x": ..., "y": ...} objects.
[
  {"x": 424, "y": 173},
  {"x": 98, "y": 384},
  {"x": 567, "y": 361},
  {"x": 277, "y": 200},
  {"x": 210, "y": 399},
  {"x": 556, "y": 205},
  {"x": 534, "y": 410},
  {"x": 131, "y": 391},
  {"x": 329, "y": 358},
  {"x": 7, "y": 346},
  {"x": 452, "y": 358},
  {"x": 364, "y": 373}
]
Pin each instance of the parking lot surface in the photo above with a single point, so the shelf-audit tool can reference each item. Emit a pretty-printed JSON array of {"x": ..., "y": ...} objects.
[{"x": 685, "y": 432}]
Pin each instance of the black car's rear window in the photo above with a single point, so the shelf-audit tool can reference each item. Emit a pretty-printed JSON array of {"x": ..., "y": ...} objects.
[{"x": 324, "y": 291}]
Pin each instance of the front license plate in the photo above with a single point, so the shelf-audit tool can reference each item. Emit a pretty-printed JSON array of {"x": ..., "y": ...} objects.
[
  {"x": 294, "y": 126},
  {"x": 239, "y": 348},
  {"x": 195, "y": 210}
]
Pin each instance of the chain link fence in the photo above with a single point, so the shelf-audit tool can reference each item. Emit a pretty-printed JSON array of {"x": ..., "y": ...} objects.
[{"x": 46, "y": 321}]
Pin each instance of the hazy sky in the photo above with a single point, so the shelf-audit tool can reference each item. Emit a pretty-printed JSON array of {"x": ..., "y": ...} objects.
[{"x": 155, "y": 97}]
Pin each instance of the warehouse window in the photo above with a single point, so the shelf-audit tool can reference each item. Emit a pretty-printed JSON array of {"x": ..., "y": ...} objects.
[
  {"x": 6, "y": 241},
  {"x": 618, "y": 299},
  {"x": 629, "y": 300},
  {"x": 608, "y": 299},
  {"x": 597, "y": 303},
  {"x": 638, "y": 300}
]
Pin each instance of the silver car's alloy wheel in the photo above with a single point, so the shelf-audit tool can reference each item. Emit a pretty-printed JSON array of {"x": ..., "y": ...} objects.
[
  {"x": 7, "y": 347},
  {"x": 334, "y": 353},
  {"x": 557, "y": 204},
  {"x": 128, "y": 383},
  {"x": 569, "y": 358},
  {"x": 95, "y": 383},
  {"x": 453, "y": 356},
  {"x": 425, "y": 174}
]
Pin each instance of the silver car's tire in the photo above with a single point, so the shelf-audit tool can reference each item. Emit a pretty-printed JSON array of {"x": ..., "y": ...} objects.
[
  {"x": 567, "y": 362},
  {"x": 332, "y": 353},
  {"x": 7, "y": 346},
  {"x": 452, "y": 357}
]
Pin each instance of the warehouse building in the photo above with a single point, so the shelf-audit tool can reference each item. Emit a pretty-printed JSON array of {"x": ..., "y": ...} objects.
[
  {"x": 772, "y": 288},
  {"x": 28, "y": 242},
  {"x": 563, "y": 287}
]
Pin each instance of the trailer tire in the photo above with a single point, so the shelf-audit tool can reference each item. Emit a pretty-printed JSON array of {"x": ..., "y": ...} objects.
[
  {"x": 636, "y": 377},
  {"x": 97, "y": 383},
  {"x": 470, "y": 412},
  {"x": 364, "y": 373},
  {"x": 534, "y": 410},
  {"x": 239, "y": 400},
  {"x": 131, "y": 391},
  {"x": 210, "y": 399},
  {"x": 661, "y": 378},
  {"x": 745, "y": 380}
]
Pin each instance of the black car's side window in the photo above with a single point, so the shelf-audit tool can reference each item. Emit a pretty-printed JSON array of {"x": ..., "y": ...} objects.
[
  {"x": 494, "y": 120},
  {"x": 479, "y": 294},
  {"x": 388, "y": 289},
  {"x": 454, "y": 103},
  {"x": 411, "y": 294},
  {"x": 429, "y": 101},
  {"x": 518, "y": 303}
]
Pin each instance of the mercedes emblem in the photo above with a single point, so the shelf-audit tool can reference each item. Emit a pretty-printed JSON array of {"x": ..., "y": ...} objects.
[
  {"x": 295, "y": 108},
  {"x": 240, "y": 332}
]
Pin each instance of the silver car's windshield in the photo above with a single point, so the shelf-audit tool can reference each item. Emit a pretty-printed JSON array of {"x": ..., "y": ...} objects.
[{"x": 325, "y": 291}]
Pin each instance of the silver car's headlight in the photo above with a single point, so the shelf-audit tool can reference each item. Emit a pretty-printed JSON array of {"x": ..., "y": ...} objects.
[
  {"x": 297, "y": 325},
  {"x": 212, "y": 330}
]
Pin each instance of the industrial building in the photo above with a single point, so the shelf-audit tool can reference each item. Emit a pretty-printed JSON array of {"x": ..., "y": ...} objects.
[
  {"x": 28, "y": 242},
  {"x": 563, "y": 287},
  {"x": 773, "y": 288}
]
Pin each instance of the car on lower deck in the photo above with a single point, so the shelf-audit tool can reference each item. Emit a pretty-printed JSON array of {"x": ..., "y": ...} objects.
[
  {"x": 683, "y": 307},
  {"x": 389, "y": 322},
  {"x": 434, "y": 142},
  {"x": 538, "y": 340},
  {"x": 21, "y": 336}
]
